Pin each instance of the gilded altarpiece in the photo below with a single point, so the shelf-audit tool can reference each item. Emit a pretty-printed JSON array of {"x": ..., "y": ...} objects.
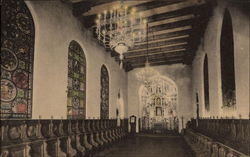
[
  {"x": 104, "y": 93},
  {"x": 76, "y": 105},
  {"x": 158, "y": 104},
  {"x": 17, "y": 51}
]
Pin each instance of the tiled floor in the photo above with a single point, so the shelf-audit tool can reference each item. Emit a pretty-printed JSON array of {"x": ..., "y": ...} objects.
[{"x": 150, "y": 146}]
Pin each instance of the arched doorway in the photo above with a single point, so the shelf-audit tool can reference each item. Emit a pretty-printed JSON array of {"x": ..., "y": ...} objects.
[{"x": 158, "y": 105}]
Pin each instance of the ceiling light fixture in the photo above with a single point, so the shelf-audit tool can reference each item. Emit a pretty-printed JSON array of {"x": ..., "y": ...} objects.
[
  {"x": 120, "y": 28},
  {"x": 146, "y": 73}
]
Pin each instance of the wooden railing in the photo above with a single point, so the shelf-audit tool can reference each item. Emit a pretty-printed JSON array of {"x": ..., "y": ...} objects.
[
  {"x": 234, "y": 133},
  {"x": 204, "y": 146},
  {"x": 59, "y": 138}
]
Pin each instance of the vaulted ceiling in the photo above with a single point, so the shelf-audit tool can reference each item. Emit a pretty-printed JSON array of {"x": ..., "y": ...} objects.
[{"x": 175, "y": 28}]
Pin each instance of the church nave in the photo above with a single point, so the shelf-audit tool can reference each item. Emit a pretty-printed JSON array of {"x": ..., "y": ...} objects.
[{"x": 125, "y": 78}]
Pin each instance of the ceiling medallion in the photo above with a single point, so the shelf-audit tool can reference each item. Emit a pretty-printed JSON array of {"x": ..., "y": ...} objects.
[{"x": 120, "y": 28}]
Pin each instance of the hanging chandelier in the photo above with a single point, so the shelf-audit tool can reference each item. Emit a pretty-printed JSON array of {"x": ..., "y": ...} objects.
[
  {"x": 146, "y": 73},
  {"x": 120, "y": 28}
]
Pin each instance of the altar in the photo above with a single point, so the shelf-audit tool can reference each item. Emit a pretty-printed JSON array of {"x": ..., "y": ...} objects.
[
  {"x": 158, "y": 106},
  {"x": 159, "y": 128}
]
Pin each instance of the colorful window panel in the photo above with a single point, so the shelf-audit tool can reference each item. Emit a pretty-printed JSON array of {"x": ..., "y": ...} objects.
[
  {"x": 104, "y": 93},
  {"x": 17, "y": 50},
  {"x": 76, "y": 105}
]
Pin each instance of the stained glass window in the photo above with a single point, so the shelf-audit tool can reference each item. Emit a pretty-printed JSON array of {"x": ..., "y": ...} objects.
[
  {"x": 227, "y": 62},
  {"x": 104, "y": 93},
  {"x": 76, "y": 105},
  {"x": 17, "y": 50},
  {"x": 206, "y": 83}
]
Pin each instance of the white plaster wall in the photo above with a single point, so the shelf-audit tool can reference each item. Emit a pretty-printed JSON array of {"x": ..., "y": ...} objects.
[
  {"x": 180, "y": 74},
  {"x": 211, "y": 47},
  {"x": 55, "y": 27}
]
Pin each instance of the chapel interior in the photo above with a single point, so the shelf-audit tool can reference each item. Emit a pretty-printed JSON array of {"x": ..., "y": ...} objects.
[{"x": 125, "y": 78}]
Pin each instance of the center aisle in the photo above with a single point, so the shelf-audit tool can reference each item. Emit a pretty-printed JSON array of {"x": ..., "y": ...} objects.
[{"x": 150, "y": 146}]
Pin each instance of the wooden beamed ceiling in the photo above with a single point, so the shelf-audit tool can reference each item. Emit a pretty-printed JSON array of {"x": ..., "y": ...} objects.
[{"x": 176, "y": 28}]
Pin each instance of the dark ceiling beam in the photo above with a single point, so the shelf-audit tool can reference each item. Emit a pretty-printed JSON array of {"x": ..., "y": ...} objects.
[
  {"x": 156, "y": 56},
  {"x": 171, "y": 25},
  {"x": 157, "y": 63},
  {"x": 174, "y": 7},
  {"x": 157, "y": 60},
  {"x": 100, "y": 2},
  {"x": 90, "y": 20},
  {"x": 110, "y": 4},
  {"x": 156, "y": 53},
  {"x": 155, "y": 4},
  {"x": 161, "y": 43},
  {"x": 162, "y": 40},
  {"x": 84, "y": 6},
  {"x": 164, "y": 45},
  {"x": 171, "y": 14},
  {"x": 172, "y": 31},
  {"x": 203, "y": 13},
  {"x": 150, "y": 60},
  {"x": 156, "y": 50},
  {"x": 153, "y": 37},
  {"x": 171, "y": 20},
  {"x": 165, "y": 36}
]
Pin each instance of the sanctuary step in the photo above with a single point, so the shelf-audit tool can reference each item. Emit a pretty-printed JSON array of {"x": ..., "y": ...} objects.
[
  {"x": 163, "y": 132},
  {"x": 59, "y": 138}
]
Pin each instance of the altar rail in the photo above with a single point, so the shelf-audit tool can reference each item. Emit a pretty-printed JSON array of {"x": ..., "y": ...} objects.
[
  {"x": 231, "y": 132},
  {"x": 59, "y": 138}
]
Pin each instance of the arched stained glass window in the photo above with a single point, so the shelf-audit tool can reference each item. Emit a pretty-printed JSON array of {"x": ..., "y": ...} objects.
[
  {"x": 76, "y": 105},
  {"x": 104, "y": 93},
  {"x": 227, "y": 61},
  {"x": 206, "y": 83},
  {"x": 17, "y": 51}
]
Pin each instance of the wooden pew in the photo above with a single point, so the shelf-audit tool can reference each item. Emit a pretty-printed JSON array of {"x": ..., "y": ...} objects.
[{"x": 58, "y": 138}]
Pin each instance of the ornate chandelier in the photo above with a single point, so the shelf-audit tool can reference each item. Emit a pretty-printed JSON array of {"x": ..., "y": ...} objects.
[
  {"x": 120, "y": 28},
  {"x": 145, "y": 74}
]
